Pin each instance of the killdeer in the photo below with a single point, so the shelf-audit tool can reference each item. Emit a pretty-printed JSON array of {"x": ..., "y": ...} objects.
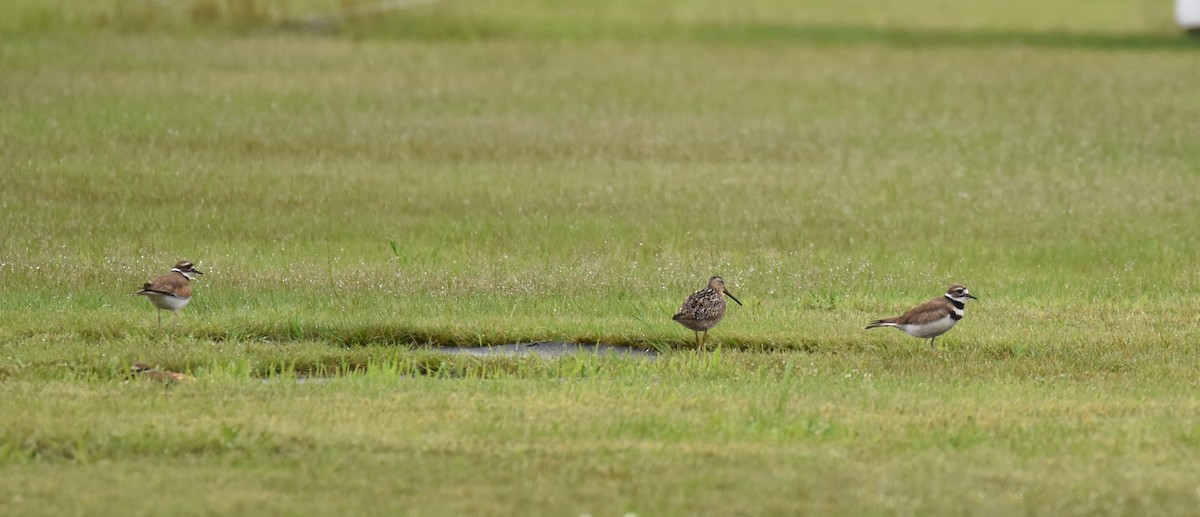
[
  {"x": 171, "y": 291},
  {"x": 932, "y": 318},
  {"x": 704, "y": 308},
  {"x": 145, "y": 371}
]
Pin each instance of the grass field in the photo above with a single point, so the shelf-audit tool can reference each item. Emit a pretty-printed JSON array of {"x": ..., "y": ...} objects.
[{"x": 468, "y": 173}]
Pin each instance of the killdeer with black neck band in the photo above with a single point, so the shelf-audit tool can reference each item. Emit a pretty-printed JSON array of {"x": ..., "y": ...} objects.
[
  {"x": 171, "y": 291},
  {"x": 932, "y": 318}
]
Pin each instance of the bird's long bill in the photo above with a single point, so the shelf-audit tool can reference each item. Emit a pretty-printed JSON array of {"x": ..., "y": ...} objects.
[
  {"x": 197, "y": 271},
  {"x": 729, "y": 294},
  {"x": 971, "y": 296}
]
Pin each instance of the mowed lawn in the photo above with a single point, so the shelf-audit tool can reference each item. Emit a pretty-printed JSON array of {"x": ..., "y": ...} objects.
[{"x": 471, "y": 174}]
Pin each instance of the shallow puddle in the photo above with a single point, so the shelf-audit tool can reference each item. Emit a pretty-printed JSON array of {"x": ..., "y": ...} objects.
[{"x": 548, "y": 349}]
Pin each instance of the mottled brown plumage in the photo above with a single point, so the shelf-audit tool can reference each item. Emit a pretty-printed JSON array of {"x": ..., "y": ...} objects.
[
  {"x": 145, "y": 371},
  {"x": 171, "y": 291},
  {"x": 705, "y": 308}
]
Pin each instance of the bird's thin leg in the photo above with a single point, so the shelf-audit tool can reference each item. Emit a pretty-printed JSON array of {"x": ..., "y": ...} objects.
[
  {"x": 705, "y": 342},
  {"x": 697, "y": 337},
  {"x": 159, "y": 313},
  {"x": 931, "y": 347}
]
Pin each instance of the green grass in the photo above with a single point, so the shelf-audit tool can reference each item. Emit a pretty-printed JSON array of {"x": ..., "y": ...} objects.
[
  {"x": 481, "y": 173},
  {"x": 889, "y": 432}
]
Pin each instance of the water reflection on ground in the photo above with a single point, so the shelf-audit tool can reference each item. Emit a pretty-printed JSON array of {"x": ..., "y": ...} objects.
[{"x": 549, "y": 349}]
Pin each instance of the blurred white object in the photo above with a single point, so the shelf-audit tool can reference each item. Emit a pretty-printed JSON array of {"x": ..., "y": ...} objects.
[{"x": 1187, "y": 14}]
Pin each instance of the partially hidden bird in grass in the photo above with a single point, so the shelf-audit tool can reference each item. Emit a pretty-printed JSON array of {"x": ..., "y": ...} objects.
[
  {"x": 171, "y": 291},
  {"x": 704, "y": 309},
  {"x": 145, "y": 371},
  {"x": 932, "y": 318}
]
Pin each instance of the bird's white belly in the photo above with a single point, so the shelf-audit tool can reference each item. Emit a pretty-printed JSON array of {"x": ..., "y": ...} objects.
[
  {"x": 166, "y": 301},
  {"x": 931, "y": 329}
]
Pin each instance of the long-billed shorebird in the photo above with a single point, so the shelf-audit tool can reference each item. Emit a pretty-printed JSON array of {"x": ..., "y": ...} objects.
[
  {"x": 171, "y": 291},
  {"x": 704, "y": 309},
  {"x": 932, "y": 318}
]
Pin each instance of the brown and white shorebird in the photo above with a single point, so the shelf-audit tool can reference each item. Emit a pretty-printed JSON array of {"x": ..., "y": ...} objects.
[
  {"x": 704, "y": 308},
  {"x": 145, "y": 371},
  {"x": 932, "y": 318},
  {"x": 171, "y": 291}
]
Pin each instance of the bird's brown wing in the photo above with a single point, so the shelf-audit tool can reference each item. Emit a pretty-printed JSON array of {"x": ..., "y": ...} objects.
[
  {"x": 173, "y": 284},
  {"x": 927, "y": 312},
  {"x": 698, "y": 306}
]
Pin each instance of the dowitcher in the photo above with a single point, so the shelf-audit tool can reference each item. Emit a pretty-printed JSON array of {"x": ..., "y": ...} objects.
[
  {"x": 704, "y": 308},
  {"x": 932, "y": 318}
]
